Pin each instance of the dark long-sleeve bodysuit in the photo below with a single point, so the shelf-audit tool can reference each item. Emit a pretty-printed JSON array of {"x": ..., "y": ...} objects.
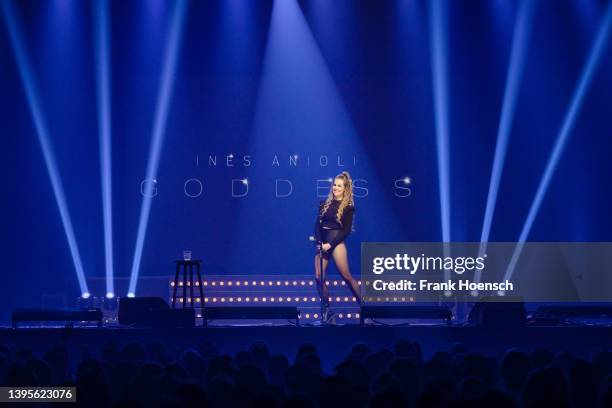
[{"x": 327, "y": 225}]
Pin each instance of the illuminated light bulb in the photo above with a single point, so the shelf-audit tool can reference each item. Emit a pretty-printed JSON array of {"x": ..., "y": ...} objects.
[
  {"x": 316, "y": 316},
  {"x": 198, "y": 300},
  {"x": 406, "y": 180},
  {"x": 263, "y": 299},
  {"x": 359, "y": 282},
  {"x": 297, "y": 299},
  {"x": 205, "y": 283},
  {"x": 180, "y": 283},
  {"x": 335, "y": 283},
  {"x": 171, "y": 283},
  {"x": 222, "y": 299},
  {"x": 231, "y": 299},
  {"x": 214, "y": 300},
  {"x": 346, "y": 298},
  {"x": 337, "y": 298},
  {"x": 214, "y": 283},
  {"x": 237, "y": 283},
  {"x": 294, "y": 283},
  {"x": 356, "y": 315},
  {"x": 354, "y": 299},
  {"x": 286, "y": 283},
  {"x": 343, "y": 283},
  {"x": 308, "y": 315},
  {"x": 305, "y": 299},
  {"x": 340, "y": 315},
  {"x": 247, "y": 299},
  {"x": 278, "y": 283},
  {"x": 270, "y": 283},
  {"x": 254, "y": 283},
  {"x": 197, "y": 283},
  {"x": 302, "y": 283},
  {"x": 205, "y": 299},
  {"x": 313, "y": 299},
  {"x": 110, "y": 295},
  {"x": 349, "y": 315},
  {"x": 239, "y": 299},
  {"x": 221, "y": 283},
  {"x": 256, "y": 299},
  {"x": 272, "y": 299},
  {"x": 229, "y": 283},
  {"x": 246, "y": 283},
  {"x": 262, "y": 283}
]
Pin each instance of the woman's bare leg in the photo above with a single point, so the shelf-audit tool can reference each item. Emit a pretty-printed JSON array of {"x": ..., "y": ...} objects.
[
  {"x": 341, "y": 260},
  {"x": 324, "y": 295}
]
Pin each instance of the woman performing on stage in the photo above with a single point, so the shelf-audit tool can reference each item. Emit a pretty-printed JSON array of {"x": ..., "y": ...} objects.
[{"x": 333, "y": 224}]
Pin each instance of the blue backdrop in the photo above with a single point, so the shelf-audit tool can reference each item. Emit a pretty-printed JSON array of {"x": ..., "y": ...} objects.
[{"x": 320, "y": 87}]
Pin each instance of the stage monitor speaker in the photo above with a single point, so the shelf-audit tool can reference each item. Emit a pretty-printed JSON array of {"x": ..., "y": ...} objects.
[
  {"x": 592, "y": 311},
  {"x": 153, "y": 312},
  {"x": 406, "y": 312},
  {"x": 46, "y": 315},
  {"x": 250, "y": 313},
  {"x": 490, "y": 312}
]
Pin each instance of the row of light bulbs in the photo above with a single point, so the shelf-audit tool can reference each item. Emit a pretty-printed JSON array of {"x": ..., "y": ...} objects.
[
  {"x": 316, "y": 315},
  {"x": 259, "y": 283},
  {"x": 265, "y": 299},
  {"x": 294, "y": 299}
]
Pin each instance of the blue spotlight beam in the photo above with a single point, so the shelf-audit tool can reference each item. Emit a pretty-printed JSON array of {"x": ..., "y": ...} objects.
[
  {"x": 42, "y": 132},
  {"x": 439, "y": 64},
  {"x": 580, "y": 91},
  {"x": 518, "y": 53},
  {"x": 159, "y": 127},
  {"x": 103, "y": 91}
]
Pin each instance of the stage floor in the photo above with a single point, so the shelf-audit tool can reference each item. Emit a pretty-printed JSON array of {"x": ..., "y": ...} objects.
[{"x": 332, "y": 342}]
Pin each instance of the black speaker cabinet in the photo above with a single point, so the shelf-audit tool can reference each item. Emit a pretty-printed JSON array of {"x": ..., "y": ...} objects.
[{"x": 153, "y": 312}]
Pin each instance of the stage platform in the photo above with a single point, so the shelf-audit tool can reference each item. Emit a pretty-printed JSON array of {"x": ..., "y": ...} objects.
[{"x": 332, "y": 342}]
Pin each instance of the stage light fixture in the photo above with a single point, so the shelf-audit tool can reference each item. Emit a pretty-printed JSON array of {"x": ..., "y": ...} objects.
[
  {"x": 438, "y": 25},
  {"x": 42, "y": 132},
  {"x": 586, "y": 76},
  {"x": 103, "y": 93},
  {"x": 518, "y": 53},
  {"x": 159, "y": 127}
]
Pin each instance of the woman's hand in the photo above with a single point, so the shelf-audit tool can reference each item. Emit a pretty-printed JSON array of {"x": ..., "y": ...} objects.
[{"x": 326, "y": 246}]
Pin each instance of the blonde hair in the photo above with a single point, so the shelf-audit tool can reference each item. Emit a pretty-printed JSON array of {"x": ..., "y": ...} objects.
[{"x": 347, "y": 199}]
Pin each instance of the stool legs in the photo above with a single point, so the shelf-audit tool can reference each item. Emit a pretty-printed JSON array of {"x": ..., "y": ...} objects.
[
  {"x": 176, "y": 275},
  {"x": 184, "y": 286},
  {"x": 191, "y": 286},
  {"x": 200, "y": 284}
]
